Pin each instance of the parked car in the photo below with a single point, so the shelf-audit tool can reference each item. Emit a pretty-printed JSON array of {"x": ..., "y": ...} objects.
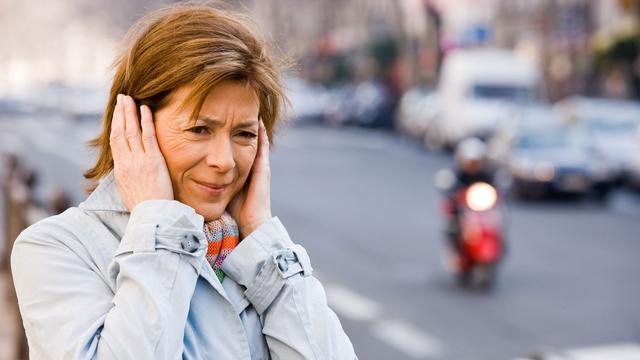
[
  {"x": 365, "y": 104},
  {"x": 608, "y": 123},
  {"x": 477, "y": 88},
  {"x": 533, "y": 115},
  {"x": 550, "y": 158},
  {"x": 85, "y": 103},
  {"x": 309, "y": 101},
  {"x": 417, "y": 108},
  {"x": 15, "y": 106}
]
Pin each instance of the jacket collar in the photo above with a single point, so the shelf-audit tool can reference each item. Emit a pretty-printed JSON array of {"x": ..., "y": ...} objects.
[{"x": 105, "y": 197}]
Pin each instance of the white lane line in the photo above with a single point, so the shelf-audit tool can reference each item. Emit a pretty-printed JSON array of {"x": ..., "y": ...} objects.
[
  {"x": 630, "y": 351},
  {"x": 408, "y": 339},
  {"x": 610, "y": 352},
  {"x": 350, "y": 304},
  {"x": 397, "y": 334}
]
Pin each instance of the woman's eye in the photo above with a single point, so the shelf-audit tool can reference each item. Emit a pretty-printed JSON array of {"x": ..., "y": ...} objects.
[
  {"x": 198, "y": 129},
  {"x": 248, "y": 135}
]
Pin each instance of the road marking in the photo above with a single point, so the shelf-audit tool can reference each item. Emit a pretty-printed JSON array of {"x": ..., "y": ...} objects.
[
  {"x": 610, "y": 352},
  {"x": 397, "y": 334},
  {"x": 408, "y": 339},
  {"x": 352, "y": 305},
  {"x": 629, "y": 351}
]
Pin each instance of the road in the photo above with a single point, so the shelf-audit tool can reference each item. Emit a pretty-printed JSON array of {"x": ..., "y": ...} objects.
[{"x": 364, "y": 205}]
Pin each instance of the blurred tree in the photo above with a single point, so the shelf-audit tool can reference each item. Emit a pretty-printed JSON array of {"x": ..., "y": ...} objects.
[
  {"x": 384, "y": 51},
  {"x": 617, "y": 65}
]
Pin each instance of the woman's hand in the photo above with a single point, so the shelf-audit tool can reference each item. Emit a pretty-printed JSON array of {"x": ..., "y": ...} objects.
[
  {"x": 138, "y": 165},
  {"x": 252, "y": 205}
]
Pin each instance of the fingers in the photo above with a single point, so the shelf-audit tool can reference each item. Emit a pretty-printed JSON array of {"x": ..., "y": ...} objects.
[
  {"x": 263, "y": 145},
  {"x": 260, "y": 172},
  {"x": 252, "y": 205},
  {"x": 148, "y": 130},
  {"x": 116, "y": 139},
  {"x": 125, "y": 128},
  {"x": 260, "y": 176},
  {"x": 131, "y": 125}
]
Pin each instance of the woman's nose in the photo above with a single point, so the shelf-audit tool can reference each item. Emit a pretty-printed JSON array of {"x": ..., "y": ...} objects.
[{"x": 220, "y": 154}]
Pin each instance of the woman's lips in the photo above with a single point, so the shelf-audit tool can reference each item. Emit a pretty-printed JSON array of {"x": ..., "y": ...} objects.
[{"x": 211, "y": 189}]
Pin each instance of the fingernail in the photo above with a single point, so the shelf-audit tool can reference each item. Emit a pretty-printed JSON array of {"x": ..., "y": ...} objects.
[{"x": 118, "y": 99}]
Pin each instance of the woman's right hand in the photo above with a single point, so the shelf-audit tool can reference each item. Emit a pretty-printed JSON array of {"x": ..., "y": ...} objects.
[{"x": 138, "y": 165}]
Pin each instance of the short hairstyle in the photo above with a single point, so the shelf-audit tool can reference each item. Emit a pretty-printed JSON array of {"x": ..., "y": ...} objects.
[{"x": 190, "y": 44}]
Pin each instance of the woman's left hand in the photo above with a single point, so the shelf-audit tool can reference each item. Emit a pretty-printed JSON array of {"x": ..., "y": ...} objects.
[{"x": 251, "y": 207}]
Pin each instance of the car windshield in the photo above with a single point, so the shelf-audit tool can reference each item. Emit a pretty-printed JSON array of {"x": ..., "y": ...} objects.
[
  {"x": 548, "y": 139},
  {"x": 613, "y": 125},
  {"x": 502, "y": 92}
]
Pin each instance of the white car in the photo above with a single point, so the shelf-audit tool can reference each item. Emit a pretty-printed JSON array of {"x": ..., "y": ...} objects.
[
  {"x": 610, "y": 125},
  {"x": 417, "y": 108},
  {"x": 309, "y": 101}
]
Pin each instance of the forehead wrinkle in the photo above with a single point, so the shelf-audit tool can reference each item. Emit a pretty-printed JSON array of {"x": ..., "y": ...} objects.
[{"x": 221, "y": 123}]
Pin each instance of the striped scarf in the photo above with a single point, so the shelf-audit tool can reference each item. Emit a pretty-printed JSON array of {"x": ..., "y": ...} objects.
[{"x": 222, "y": 237}]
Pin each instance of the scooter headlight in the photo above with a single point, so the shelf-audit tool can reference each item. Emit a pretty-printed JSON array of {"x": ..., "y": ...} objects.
[{"x": 481, "y": 196}]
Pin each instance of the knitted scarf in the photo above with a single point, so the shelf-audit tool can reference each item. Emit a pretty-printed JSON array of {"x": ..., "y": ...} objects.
[{"x": 222, "y": 237}]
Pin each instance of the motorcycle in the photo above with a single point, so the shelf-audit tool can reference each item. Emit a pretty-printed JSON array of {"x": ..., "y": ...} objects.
[{"x": 475, "y": 217}]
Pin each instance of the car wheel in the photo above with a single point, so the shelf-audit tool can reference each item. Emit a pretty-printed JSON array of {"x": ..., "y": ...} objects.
[
  {"x": 601, "y": 195},
  {"x": 520, "y": 190}
]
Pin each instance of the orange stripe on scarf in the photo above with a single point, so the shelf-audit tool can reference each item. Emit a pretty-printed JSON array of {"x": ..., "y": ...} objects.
[{"x": 222, "y": 237}]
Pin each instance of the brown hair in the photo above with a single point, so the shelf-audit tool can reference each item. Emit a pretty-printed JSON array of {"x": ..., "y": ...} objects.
[{"x": 189, "y": 44}]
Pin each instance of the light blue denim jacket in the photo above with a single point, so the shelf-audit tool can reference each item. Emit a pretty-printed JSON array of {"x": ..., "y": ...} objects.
[{"x": 98, "y": 282}]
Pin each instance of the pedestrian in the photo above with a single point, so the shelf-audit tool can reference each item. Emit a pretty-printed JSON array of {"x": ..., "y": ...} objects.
[{"x": 175, "y": 253}]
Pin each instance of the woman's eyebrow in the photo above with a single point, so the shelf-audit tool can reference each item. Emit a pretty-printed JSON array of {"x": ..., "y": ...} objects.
[{"x": 217, "y": 122}]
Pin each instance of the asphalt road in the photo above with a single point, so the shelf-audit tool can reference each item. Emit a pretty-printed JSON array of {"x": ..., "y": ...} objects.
[{"x": 364, "y": 205}]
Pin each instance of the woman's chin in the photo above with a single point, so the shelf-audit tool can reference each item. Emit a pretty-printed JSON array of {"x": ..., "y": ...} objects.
[
  {"x": 210, "y": 215},
  {"x": 209, "y": 211}
]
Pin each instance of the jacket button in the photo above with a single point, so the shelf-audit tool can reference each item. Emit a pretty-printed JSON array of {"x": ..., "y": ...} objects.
[
  {"x": 190, "y": 243},
  {"x": 283, "y": 265}
]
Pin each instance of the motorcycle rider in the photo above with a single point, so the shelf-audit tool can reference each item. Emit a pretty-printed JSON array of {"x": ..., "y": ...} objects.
[{"x": 470, "y": 167}]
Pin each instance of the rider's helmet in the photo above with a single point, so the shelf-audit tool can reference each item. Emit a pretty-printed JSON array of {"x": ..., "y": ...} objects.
[{"x": 470, "y": 155}]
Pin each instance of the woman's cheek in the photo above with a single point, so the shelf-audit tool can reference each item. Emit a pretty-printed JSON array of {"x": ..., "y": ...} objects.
[{"x": 181, "y": 154}]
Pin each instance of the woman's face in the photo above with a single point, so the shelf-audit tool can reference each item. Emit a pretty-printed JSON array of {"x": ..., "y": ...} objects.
[{"x": 210, "y": 160}]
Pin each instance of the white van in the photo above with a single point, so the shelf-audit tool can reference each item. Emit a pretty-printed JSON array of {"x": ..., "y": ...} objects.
[{"x": 477, "y": 88}]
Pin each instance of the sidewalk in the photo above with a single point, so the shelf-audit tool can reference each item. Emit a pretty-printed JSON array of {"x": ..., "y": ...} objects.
[{"x": 7, "y": 319}]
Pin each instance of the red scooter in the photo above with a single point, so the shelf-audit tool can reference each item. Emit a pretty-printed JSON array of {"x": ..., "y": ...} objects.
[{"x": 475, "y": 219}]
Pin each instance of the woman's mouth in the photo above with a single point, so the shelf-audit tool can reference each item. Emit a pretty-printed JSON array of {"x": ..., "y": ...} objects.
[{"x": 211, "y": 189}]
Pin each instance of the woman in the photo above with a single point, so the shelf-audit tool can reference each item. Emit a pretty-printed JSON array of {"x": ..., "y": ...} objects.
[{"x": 151, "y": 265}]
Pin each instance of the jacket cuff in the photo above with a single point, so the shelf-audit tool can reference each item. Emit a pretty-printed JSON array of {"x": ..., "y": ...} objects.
[
  {"x": 264, "y": 260},
  {"x": 165, "y": 224}
]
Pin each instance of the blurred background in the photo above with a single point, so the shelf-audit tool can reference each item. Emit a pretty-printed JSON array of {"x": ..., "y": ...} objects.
[{"x": 365, "y": 174}]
